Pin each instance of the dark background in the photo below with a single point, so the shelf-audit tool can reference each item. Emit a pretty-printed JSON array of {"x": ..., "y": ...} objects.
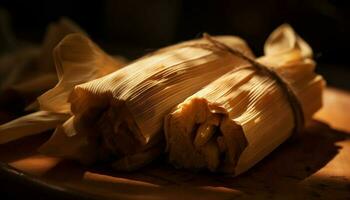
[{"x": 135, "y": 27}]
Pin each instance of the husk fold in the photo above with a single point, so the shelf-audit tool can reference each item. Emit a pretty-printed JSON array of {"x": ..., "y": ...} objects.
[{"x": 77, "y": 60}]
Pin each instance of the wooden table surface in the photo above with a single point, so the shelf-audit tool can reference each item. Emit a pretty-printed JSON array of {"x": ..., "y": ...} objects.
[{"x": 314, "y": 166}]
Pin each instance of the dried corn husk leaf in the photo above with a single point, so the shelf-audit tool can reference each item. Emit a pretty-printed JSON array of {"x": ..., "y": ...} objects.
[
  {"x": 31, "y": 124},
  {"x": 77, "y": 60},
  {"x": 121, "y": 114},
  {"x": 29, "y": 71},
  {"x": 255, "y": 115},
  {"x": 75, "y": 147},
  {"x": 54, "y": 34},
  {"x": 284, "y": 40},
  {"x": 38, "y": 61}
]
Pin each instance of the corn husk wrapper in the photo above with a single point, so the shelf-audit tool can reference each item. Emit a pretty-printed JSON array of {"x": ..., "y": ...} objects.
[
  {"x": 77, "y": 60},
  {"x": 119, "y": 117},
  {"x": 27, "y": 72},
  {"x": 237, "y": 120},
  {"x": 30, "y": 124},
  {"x": 34, "y": 65},
  {"x": 55, "y": 32}
]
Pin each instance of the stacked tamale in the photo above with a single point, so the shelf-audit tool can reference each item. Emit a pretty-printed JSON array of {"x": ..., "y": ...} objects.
[
  {"x": 119, "y": 117},
  {"x": 208, "y": 103}
]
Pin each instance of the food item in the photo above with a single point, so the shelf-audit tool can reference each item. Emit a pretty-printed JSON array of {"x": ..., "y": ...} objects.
[
  {"x": 237, "y": 120},
  {"x": 77, "y": 60},
  {"x": 118, "y": 118},
  {"x": 30, "y": 124},
  {"x": 55, "y": 32},
  {"x": 28, "y": 70},
  {"x": 232, "y": 109}
]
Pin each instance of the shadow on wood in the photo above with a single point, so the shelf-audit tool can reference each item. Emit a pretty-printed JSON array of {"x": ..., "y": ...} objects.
[{"x": 284, "y": 173}]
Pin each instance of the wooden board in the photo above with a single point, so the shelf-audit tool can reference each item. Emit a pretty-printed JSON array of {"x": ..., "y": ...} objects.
[{"x": 314, "y": 166}]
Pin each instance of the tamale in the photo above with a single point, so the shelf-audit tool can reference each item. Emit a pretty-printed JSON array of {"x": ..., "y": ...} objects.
[
  {"x": 118, "y": 118},
  {"x": 77, "y": 60},
  {"x": 237, "y": 120}
]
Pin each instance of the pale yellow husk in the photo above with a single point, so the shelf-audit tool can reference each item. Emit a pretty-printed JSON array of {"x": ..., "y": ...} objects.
[
  {"x": 237, "y": 120},
  {"x": 34, "y": 65},
  {"x": 55, "y": 32},
  {"x": 77, "y": 60},
  {"x": 31, "y": 124},
  {"x": 121, "y": 114},
  {"x": 33, "y": 72}
]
